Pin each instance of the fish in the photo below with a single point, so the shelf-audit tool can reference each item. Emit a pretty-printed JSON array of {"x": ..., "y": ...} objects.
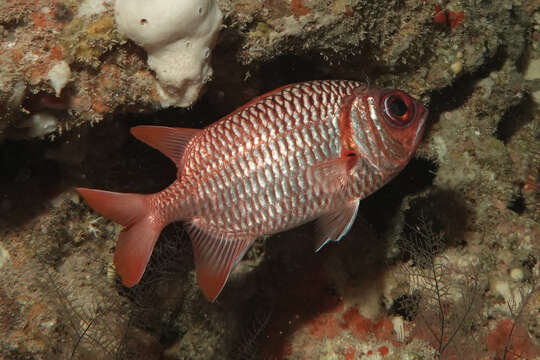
[{"x": 302, "y": 152}]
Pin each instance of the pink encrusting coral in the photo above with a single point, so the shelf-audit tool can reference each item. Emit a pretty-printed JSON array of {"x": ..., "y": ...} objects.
[
  {"x": 448, "y": 17},
  {"x": 327, "y": 329}
]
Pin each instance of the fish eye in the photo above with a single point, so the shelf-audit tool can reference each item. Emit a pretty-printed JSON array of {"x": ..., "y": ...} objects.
[{"x": 398, "y": 108}]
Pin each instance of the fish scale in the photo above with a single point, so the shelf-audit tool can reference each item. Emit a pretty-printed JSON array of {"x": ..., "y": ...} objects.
[
  {"x": 296, "y": 153},
  {"x": 302, "y": 152}
]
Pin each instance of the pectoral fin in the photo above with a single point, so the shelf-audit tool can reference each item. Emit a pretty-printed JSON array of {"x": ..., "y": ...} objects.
[
  {"x": 331, "y": 176},
  {"x": 216, "y": 253},
  {"x": 335, "y": 225}
]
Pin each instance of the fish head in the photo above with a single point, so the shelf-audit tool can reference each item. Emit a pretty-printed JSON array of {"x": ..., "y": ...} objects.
[{"x": 386, "y": 126}]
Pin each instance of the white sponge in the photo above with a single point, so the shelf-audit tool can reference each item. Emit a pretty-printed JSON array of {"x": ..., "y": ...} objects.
[
  {"x": 59, "y": 76},
  {"x": 178, "y": 36}
]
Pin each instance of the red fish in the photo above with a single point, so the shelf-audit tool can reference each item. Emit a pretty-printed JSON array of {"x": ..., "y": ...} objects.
[{"x": 302, "y": 152}]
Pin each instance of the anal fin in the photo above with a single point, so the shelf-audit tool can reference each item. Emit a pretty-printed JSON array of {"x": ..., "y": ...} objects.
[
  {"x": 216, "y": 253},
  {"x": 334, "y": 225}
]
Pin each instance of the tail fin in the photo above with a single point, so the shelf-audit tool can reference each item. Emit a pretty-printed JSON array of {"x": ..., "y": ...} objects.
[{"x": 137, "y": 240}]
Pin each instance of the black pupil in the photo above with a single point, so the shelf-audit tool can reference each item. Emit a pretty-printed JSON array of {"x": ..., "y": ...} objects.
[{"x": 397, "y": 107}]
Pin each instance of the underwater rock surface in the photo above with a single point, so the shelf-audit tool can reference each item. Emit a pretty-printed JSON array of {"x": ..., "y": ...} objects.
[{"x": 443, "y": 262}]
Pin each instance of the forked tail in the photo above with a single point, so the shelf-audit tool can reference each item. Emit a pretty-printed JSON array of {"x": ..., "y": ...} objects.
[
  {"x": 135, "y": 212},
  {"x": 140, "y": 233}
]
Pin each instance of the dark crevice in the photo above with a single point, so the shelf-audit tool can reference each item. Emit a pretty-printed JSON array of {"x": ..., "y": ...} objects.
[
  {"x": 380, "y": 208},
  {"x": 254, "y": 317},
  {"x": 288, "y": 69},
  {"x": 429, "y": 230},
  {"x": 417, "y": 176},
  {"x": 24, "y": 127},
  {"x": 105, "y": 156},
  {"x": 515, "y": 117},
  {"x": 406, "y": 306},
  {"x": 530, "y": 262},
  {"x": 27, "y": 180},
  {"x": 517, "y": 204},
  {"x": 63, "y": 13},
  {"x": 158, "y": 298},
  {"x": 121, "y": 162},
  {"x": 293, "y": 68},
  {"x": 457, "y": 93},
  {"x": 12, "y": 23},
  {"x": 168, "y": 337}
]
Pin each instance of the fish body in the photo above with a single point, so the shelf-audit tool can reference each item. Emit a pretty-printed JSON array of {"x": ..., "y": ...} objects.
[{"x": 302, "y": 152}]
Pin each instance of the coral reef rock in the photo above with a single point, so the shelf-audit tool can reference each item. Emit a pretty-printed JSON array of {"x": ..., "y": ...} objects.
[{"x": 443, "y": 262}]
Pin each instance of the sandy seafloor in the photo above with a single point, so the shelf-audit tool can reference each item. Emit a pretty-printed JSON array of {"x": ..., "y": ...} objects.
[{"x": 443, "y": 262}]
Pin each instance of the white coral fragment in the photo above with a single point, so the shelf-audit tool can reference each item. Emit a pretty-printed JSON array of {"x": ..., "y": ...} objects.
[
  {"x": 92, "y": 7},
  {"x": 40, "y": 124},
  {"x": 59, "y": 76},
  {"x": 4, "y": 256},
  {"x": 178, "y": 37}
]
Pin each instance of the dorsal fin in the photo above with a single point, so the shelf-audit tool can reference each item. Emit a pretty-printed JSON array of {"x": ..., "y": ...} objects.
[
  {"x": 170, "y": 141},
  {"x": 216, "y": 253}
]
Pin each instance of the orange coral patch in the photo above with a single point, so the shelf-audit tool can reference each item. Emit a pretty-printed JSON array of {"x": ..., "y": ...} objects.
[
  {"x": 349, "y": 353},
  {"x": 56, "y": 53},
  {"x": 511, "y": 339},
  {"x": 101, "y": 107},
  {"x": 324, "y": 325},
  {"x": 384, "y": 329},
  {"x": 455, "y": 18},
  {"x": 17, "y": 55},
  {"x": 359, "y": 325},
  {"x": 40, "y": 20},
  {"x": 298, "y": 8},
  {"x": 383, "y": 350}
]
